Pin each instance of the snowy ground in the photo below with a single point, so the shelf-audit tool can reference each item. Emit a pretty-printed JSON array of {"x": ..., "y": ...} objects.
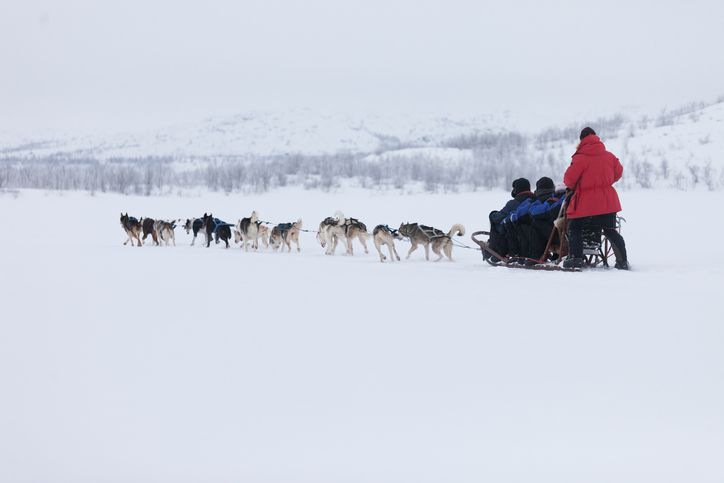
[{"x": 189, "y": 364}]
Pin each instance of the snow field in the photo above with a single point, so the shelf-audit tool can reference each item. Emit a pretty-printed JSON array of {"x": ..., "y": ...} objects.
[{"x": 193, "y": 364}]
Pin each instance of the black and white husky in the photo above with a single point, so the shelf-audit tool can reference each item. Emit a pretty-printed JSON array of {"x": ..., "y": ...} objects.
[
  {"x": 217, "y": 229},
  {"x": 247, "y": 230},
  {"x": 195, "y": 225}
]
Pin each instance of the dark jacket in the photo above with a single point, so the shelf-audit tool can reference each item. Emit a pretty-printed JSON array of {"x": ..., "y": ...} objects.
[{"x": 497, "y": 217}]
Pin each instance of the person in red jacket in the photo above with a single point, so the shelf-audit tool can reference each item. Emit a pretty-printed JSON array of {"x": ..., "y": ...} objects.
[{"x": 594, "y": 203}]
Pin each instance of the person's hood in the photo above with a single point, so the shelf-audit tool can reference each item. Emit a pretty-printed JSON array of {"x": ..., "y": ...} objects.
[{"x": 591, "y": 145}]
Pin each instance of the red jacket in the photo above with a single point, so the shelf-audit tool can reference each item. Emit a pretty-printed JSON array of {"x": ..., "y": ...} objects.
[{"x": 591, "y": 174}]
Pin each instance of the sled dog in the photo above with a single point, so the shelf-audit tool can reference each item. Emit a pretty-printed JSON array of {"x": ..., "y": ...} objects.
[
  {"x": 247, "y": 230},
  {"x": 284, "y": 234},
  {"x": 384, "y": 235},
  {"x": 338, "y": 228},
  {"x": 132, "y": 227},
  {"x": 426, "y": 235},
  {"x": 194, "y": 225},
  {"x": 148, "y": 229},
  {"x": 332, "y": 231},
  {"x": 216, "y": 229},
  {"x": 355, "y": 229},
  {"x": 165, "y": 231}
]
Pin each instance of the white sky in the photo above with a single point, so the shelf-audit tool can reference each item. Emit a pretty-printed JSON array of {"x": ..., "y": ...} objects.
[{"x": 140, "y": 63}]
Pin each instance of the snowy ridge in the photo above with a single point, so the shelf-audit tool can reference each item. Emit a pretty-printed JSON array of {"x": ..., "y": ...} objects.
[
  {"x": 256, "y": 133},
  {"x": 680, "y": 148}
]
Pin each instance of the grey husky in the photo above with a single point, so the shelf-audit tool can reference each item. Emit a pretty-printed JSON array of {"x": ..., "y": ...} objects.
[{"x": 426, "y": 235}]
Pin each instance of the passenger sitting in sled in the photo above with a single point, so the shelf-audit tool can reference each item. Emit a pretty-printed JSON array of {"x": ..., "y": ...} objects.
[
  {"x": 498, "y": 241},
  {"x": 522, "y": 244},
  {"x": 542, "y": 213}
]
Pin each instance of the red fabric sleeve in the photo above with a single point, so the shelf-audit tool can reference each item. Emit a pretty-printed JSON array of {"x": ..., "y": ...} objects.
[
  {"x": 573, "y": 174},
  {"x": 617, "y": 169}
]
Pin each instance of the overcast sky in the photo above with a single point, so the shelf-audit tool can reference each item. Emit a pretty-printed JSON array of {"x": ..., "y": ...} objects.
[{"x": 143, "y": 63}]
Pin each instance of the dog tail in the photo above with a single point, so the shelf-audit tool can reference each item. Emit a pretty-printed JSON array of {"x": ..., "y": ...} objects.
[{"x": 457, "y": 229}]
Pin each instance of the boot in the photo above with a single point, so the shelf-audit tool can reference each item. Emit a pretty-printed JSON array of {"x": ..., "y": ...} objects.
[{"x": 573, "y": 262}]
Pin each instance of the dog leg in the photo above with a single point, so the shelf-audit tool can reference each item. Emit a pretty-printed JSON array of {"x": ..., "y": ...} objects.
[
  {"x": 436, "y": 250},
  {"x": 391, "y": 248},
  {"x": 363, "y": 241},
  {"x": 379, "y": 250},
  {"x": 427, "y": 252},
  {"x": 350, "y": 247},
  {"x": 412, "y": 248},
  {"x": 395, "y": 251}
]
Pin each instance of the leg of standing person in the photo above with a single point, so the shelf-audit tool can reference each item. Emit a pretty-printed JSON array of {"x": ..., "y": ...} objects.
[
  {"x": 608, "y": 223},
  {"x": 575, "y": 237}
]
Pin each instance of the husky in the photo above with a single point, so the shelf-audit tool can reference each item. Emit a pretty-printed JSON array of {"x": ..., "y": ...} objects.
[
  {"x": 331, "y": 231},
  {"x": 355, "y": 229},
  {"x": 284, "y": 234},
  {"x": 384, "y": 235},
  {"x": 264, "y": 235},
  {"x": 217, "y": 229},
  {"x": 246, "y": 230},
  {"x": 148, "y": 229},
  {"x": 426, "y": 235},
  {"x": 335, "y": 228},
  {"x": 195, "y": 225},
  {"x": 133, "y": 229},
  {"x": 165, "y": 231}
]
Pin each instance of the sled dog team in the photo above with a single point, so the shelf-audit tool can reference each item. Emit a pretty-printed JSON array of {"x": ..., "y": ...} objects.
[{"x": 333, "y": 230}]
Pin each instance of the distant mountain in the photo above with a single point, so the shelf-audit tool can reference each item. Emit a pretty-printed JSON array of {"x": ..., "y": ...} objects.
[{"x": 257, "y": 133}]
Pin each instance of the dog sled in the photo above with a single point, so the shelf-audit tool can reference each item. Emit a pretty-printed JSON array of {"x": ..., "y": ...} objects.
[{"x": 597, "y": 248}]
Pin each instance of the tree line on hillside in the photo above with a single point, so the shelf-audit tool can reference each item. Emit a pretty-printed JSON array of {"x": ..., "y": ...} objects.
[{"x": 495, "y": 160}]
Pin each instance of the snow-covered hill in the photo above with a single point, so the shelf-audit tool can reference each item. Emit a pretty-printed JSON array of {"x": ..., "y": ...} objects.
[
  {"x": 681, "y": 148},
  {"x": 257, "y": 133}
]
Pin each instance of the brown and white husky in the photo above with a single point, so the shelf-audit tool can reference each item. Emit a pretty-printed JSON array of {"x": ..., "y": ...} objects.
[
  {"x": 285, "y": 234},
  {"x": 384, "y": 235},
  {"x": 132, "y": 227}
]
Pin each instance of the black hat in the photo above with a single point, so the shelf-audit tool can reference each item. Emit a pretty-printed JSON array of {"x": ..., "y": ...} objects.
[
  {"x": 520, "y": 185},
  {"x": 545, "y": 183},
  {"x": 587, "y": 131}
]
